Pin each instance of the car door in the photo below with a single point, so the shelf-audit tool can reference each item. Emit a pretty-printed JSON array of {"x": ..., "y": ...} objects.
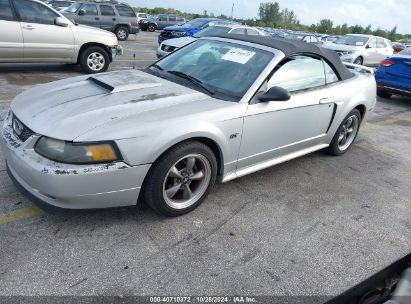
[
  {"x": 172, "y": 20},
  {"x": 11, "y": 37},
  {"x": 277, "y": 128},
  {"x": 162, "y": 21},
  {"x": 371, "y": 56},
  {"x": 88, "y": 15},
  {"x": 43, "y": 40},
  {"x": 108, "y": 17},
  {"x": 383, "y": 49}
]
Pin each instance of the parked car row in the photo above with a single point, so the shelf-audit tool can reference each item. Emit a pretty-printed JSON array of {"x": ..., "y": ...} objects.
[
  {"x": 31, "y": 31},
  {"x": 117, "y": 18},
  {"x": 159, "y": 22},
  {"x": 168, "y": 46}
]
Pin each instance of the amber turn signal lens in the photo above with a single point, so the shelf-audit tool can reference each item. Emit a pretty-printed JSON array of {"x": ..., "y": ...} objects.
[{"x": 102, "y": 153}]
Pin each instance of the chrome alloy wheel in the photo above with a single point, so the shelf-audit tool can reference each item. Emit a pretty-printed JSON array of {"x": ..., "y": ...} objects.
[
  {"x": 122, "y": 34},
  {"x": 187, "y": 181},
  {"x": 96, "y": 61},
  {"x": 348, "y": 132}
]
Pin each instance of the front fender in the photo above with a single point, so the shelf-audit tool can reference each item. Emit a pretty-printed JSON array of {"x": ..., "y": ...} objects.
[{"x": 147, "y": 149}]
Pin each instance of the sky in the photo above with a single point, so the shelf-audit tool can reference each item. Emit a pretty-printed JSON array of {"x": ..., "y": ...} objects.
[{"x": 379, "y": 13}]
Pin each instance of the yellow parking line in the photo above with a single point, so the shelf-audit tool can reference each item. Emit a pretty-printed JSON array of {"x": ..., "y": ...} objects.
[{"x": 20, "y": 214}]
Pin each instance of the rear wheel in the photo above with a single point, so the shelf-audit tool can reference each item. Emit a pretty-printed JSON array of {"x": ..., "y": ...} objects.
[
  {"x": 180, "y": 179},
  {"x": 122, "y": 33},
  {"x": 346, "y": 134},
  {"x": 383, "y": 94},
  {"x": 94, "y": 59},
  {"x": 359, "y": 61}
]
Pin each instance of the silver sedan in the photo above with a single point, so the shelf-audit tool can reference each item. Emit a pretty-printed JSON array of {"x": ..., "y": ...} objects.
[{"x": 217, "y": 109}]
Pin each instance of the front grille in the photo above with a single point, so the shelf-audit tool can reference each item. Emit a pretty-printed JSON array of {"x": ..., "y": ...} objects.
[
  {"x": 168, "y": 48},
  {"x": 20, "y": 130}
]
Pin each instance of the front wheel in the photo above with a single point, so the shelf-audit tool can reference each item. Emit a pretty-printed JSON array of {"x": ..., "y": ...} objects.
[
  {"x": 180, "y": 179},
  {"x": 94, "y": 59},
  {"x": 346, "y": 134},
  {"x": 152, "y": 28},
  {"x": 359, "y": 61}
]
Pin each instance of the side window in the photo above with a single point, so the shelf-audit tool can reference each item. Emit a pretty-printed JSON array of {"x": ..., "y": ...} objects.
[
  {"x": 252, "y": 32},
  {"x": 107, "y": 10},
  {"x": 180, "y": 19},
  {"x": 162, "y": 18},
  {"x": 381, "y": 43},
  {"x": 34, "y": 12},
  {"x": 125, "y": 11},
  {"x": 330, "y": 75},
  {"x": 239, "y": 31},
  {"x": 172, "y": 19},
  {"x": 373, "y": 43},
  {"x": 299, "y": 73},
  {"x": 5, "y": 11},
  {"x": 144, "y": 16},
  {"x": 89, "y": 9}
]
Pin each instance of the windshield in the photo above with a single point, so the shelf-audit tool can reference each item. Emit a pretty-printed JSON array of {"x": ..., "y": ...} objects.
[
  {"x": 406, "y": 52},
  {"x": 226, "y": 69},
  {"x": 352, "y": 40},
  {"x": 73, "y": 8},
  {"x": 212, "y": 31},
  {"x": 195, "y": 23}
]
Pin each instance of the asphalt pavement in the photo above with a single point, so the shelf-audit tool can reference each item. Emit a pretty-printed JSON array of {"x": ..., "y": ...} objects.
[{"x": 316, "y": 225}]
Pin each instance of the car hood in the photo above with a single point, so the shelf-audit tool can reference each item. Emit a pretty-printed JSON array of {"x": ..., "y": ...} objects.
[
  {"x": 178, "y": 28},
  {"x": 85, "y": 29},
  {"x": 179, "y": 42},
  {"x": 340, "y": 47},
  {"x": 108, "y": 106}
]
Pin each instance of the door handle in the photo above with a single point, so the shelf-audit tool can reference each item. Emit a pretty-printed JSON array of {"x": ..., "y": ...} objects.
[
  {"x": 325, "y": 100},
  {"x": 97, "y": 18},
  {"x": 114, "y": 19},
  {"x": 28, "y": 27}
]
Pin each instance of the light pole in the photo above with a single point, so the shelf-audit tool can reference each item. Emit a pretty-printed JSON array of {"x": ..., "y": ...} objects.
[{"x": 232, "y": 11}]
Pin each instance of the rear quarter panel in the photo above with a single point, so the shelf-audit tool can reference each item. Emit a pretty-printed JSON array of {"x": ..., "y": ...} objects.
[{"x": 349, "y": 94}]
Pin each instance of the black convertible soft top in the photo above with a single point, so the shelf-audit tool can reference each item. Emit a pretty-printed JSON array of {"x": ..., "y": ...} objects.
[{"x": 293, "y": 47}]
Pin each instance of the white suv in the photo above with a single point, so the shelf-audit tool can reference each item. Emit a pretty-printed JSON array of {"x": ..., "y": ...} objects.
[
  {"x": 30, "y": 31},
  {"x": 361, "y": 49}
]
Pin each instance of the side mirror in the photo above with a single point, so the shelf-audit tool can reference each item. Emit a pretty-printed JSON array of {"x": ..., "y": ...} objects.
[
  {"x": 81, "y": 12},
  {"x": 367, "y": 46},
  {"x": 274, "y": 94},
  {"x": 60, "y": 21}
]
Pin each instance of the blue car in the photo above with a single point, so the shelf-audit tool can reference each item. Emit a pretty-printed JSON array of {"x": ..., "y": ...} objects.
[
  {"x": 394, "y": 75},
  {"x": 189, "y": 28}
]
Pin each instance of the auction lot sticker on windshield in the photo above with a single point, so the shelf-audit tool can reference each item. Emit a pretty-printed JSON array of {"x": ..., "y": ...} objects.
[{"x": 238, "y": 55}]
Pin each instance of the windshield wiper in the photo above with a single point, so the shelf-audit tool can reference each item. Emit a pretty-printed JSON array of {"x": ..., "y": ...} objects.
[
  {"x": 155, "y": 65},
  {"x": 193, "y": 80}
]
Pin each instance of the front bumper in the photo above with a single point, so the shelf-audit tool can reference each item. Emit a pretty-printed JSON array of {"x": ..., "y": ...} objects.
[
  {"x": 70, "y": 186},
  {"x": 160, "y": 53},
  {"x": 116, "y": 50}
]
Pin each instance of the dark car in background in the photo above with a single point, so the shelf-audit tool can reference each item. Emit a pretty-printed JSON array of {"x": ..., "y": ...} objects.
[
  {"x": 160, "y": 22},
  {"x": 117, "y": 18},
  {"x": 189, "y": 28},
  {"x": 393, "y": 76}
]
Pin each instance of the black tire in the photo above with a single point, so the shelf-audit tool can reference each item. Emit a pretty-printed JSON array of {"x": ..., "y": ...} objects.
[
  {"x": 334, "y": 148},
  {"x": 84, "y": 59},
  {"x": 153, "y": 188},
  {"x": 151, "y": 27},
  {"x": 122, "y": 33},
  {"x": 383, "y": 94},
  {"x": 359, "y": 61}
]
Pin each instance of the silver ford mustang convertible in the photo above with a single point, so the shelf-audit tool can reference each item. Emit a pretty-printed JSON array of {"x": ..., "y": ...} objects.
[{"x": 217, "y": 109}]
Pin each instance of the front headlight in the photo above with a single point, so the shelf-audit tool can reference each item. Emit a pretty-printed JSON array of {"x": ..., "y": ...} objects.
[
  {"x": 347, "y": 53},
  {"x": 77, "y": 153}
]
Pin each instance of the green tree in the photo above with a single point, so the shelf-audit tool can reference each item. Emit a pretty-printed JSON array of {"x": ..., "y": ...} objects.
[
  {"x": 270, "y": 13},
  {"x": 392, "y": 35},
  {"x": 325, "y": 26},
  {"x": 289, "y": 19}
]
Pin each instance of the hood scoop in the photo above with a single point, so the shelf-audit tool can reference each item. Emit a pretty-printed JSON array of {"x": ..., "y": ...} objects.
[{"x": 122, "y": 81}]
